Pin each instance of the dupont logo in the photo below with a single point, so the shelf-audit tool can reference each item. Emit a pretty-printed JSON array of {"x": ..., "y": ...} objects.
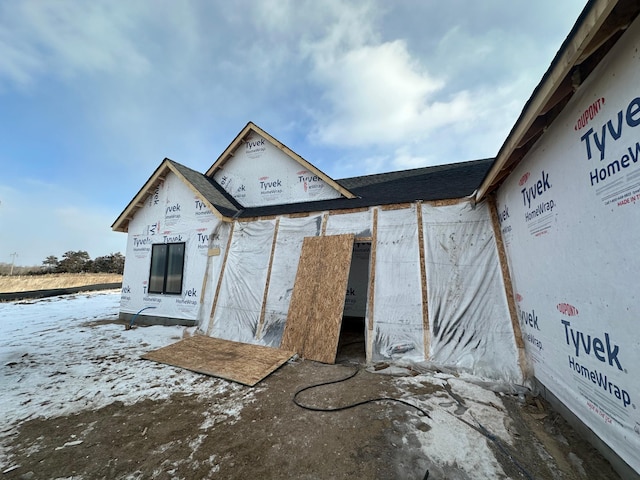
[
  {"x": 524, "y": 178},
  {"x": 589, "y": 114},
  {"x": 518, "y": 297},
  {"x": 567, "y": 309}
]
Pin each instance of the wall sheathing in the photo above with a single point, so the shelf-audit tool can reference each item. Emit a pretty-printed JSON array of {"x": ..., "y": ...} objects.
[
  {"x": 238, "y": 277},
  {"x": 468, "y": 311},
  {"x": 172, "y": 213},
  {"x": 570, "y": 221}
]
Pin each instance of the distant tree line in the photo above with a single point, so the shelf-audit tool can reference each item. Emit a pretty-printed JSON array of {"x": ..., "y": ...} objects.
[
  {"x": 71, "y": 262},
  {"x": 80, "y": 262}
]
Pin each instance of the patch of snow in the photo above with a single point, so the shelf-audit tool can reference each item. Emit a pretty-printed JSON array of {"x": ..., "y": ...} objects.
[
  {"x": 56, "y": 359},
  {"x": 451, "y": 443}
]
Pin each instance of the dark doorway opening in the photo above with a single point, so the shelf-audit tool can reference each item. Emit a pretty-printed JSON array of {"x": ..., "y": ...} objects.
[{"x": 352, "y": 343}]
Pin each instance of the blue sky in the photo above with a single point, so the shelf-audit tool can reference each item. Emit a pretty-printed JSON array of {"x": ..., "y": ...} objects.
[{"x": 93, "y": 95}]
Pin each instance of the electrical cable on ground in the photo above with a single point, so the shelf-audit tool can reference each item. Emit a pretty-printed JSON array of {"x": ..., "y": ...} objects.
[{"x": 352, "y": 405}]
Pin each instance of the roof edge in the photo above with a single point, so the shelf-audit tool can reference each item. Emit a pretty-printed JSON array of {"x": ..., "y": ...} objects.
[{"x": 569, "y": 55}]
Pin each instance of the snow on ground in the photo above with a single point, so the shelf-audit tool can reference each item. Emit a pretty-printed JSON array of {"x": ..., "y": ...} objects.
[
  {"x": 452, "y": 444},
  {"x": 54, "y": 362}
]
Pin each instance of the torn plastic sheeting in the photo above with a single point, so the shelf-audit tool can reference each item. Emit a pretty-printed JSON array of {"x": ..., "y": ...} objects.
[
  {"x": 244, "y": 278},
  {"x": 397, "y": 323},
  {"x": 468, "y": 312},
  {"x": 291, "y": 233}
]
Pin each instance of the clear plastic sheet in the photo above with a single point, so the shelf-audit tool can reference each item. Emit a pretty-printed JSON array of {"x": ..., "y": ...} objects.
[
  {"x": 468, "y": 312},
  {"x": 397, "y": 318},
  {"x": 239, "y": 304}
]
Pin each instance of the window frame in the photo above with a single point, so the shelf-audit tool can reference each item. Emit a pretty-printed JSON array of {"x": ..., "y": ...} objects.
[{"x": 164, "y": 267}]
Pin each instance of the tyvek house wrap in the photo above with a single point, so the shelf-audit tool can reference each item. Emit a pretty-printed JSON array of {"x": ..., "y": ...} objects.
[
  {"x": 570, "y": 219},
  {"x": 469, "y": 319},
  {"x": 171, "y": 214}
]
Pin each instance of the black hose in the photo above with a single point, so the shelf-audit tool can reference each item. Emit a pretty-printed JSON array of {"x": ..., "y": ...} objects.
[{"x": 352, "y": 405}]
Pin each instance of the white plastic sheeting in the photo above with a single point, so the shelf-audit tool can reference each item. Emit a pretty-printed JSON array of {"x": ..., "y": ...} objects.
[
  {"x": 171, "y": 214},
  {"x": 262, "y": 174},
  {"x": 219, "y": 241},
  {"x": 397, "y": 318},
  {"x": 291, "y": 233},
  {"x": 468, "y": 311},
  {"x": 360, "y": 224},
  {"x": 237, "y": 313},
  {"x": 570, "y": 217}
]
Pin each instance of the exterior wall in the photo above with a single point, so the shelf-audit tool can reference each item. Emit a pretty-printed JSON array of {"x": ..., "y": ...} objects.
[
  {"x": 471, "y": 329},
  {"x": 570, "y": 219},
  {"x": 261, "y": 174},
  {"x": 172, "y": 214}
]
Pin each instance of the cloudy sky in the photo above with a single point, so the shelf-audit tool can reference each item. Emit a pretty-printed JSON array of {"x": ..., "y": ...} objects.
[{"x": 93, "y": 95}]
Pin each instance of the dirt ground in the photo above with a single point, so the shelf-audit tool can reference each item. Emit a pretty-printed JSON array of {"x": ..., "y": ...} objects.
[{"x": 273, "y": 438}]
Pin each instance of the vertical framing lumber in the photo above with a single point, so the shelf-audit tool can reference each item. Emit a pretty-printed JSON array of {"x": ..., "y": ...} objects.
[
  {"x": 423, "y": 276},
  {"x": 325, "y": 218},
  {"x": 508, "y": 286},
  {"x": 222, "y": 269},
  {"x": 372, "y": 283},
  {"x": 266, "y": 286}
]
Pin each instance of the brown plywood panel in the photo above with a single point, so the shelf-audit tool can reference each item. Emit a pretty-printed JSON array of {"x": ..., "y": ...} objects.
[
  {"x": 317, "y": 302},
  {"x": 238, "y": 362}
]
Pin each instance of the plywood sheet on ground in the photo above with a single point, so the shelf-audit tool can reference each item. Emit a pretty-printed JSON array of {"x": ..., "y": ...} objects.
[
  {"x": 239, "y": 362},
  {"x": 317, "y": 301}
]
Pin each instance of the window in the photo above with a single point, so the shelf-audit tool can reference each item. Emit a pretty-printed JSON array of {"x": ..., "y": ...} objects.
[{"x": 167, "y": 262}]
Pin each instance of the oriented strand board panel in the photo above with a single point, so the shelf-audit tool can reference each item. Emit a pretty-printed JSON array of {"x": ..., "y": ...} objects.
[
  {"x": 239, "y": 362},
  {"x": 317, "y": 301}
]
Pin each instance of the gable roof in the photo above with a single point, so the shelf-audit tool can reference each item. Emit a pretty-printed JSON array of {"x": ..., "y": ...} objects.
[
  {"x": 598, "y": 28},
  {"x": 211, "y": 194},
  {"x": 253, "y": 128},
  {"x": 441, "y": 182}
]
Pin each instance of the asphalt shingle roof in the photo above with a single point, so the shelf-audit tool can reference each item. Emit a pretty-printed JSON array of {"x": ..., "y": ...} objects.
[{"x": 428, "y": 183}]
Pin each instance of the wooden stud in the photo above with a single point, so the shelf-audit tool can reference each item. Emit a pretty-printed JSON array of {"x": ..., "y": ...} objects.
[
  {"x": 372, "y": 283},
  {"x": 323, "y": 229},
  {"x": 266, "y": 287},
  {"x": 423, "y": 276},
  {"x": 508, "y": 286},
  {"x": 222, "y": 269}
]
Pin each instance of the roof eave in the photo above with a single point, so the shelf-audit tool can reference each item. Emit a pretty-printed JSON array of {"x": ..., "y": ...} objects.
[{"x": 599, "y": 26}]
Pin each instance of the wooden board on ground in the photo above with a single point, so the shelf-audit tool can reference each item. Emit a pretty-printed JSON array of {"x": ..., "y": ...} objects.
[
  {"x": 317, "y": 302},
  {"x": 238, "y": 362}
]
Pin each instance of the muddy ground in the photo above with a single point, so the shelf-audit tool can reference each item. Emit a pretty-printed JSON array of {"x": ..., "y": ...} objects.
[{"x": 272, "y": 438}]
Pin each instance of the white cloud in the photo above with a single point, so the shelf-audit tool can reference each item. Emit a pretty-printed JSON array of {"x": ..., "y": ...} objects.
[
  {"x": 380, "y": 95},
  {"x": 64, "y": 38}
]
